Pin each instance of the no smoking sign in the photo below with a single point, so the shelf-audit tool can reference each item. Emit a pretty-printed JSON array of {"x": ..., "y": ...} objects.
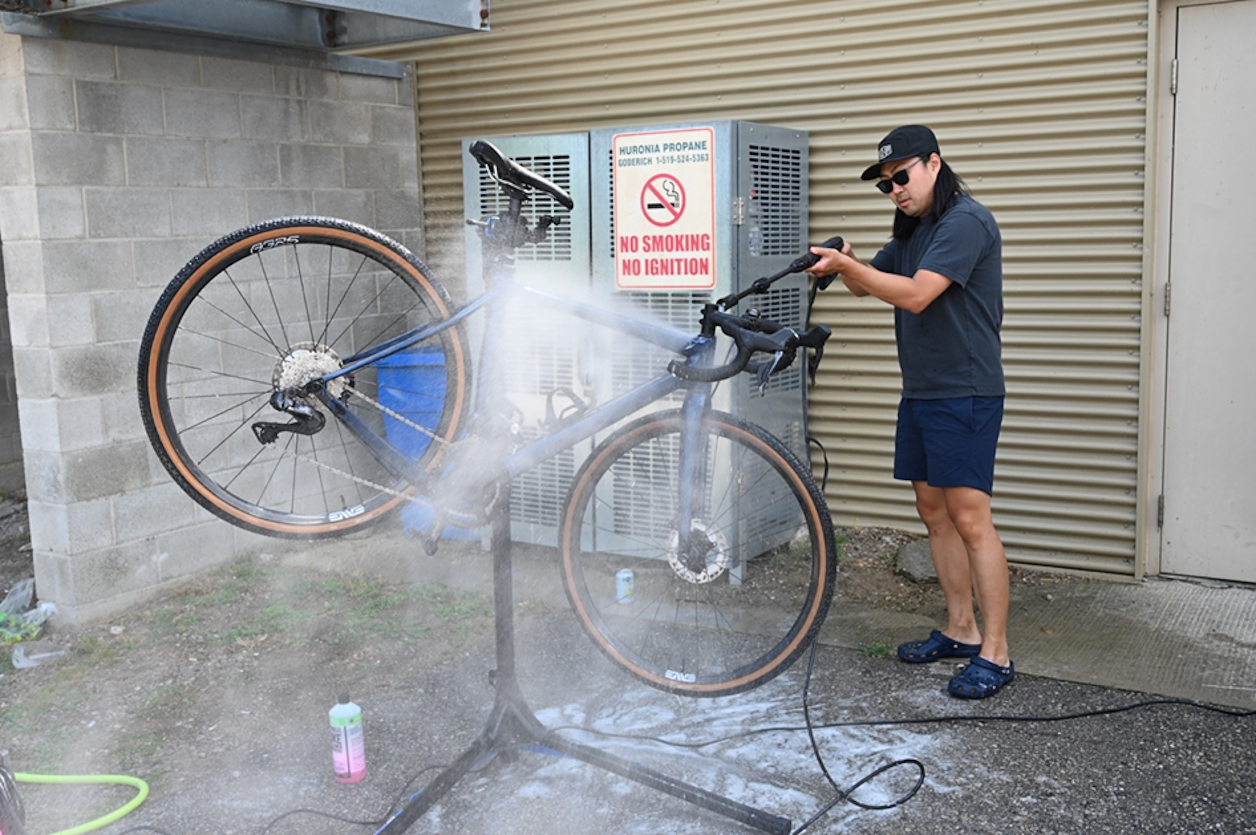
[
  {"x": 663, "y": 200},
  {"x": 664, "y": 206}
]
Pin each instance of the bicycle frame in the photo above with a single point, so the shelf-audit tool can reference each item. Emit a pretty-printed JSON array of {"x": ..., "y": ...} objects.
[{"x": 697, "y": 350}]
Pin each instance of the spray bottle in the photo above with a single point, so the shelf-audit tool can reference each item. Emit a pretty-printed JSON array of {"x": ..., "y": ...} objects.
[{"x": 348, "y": 749}]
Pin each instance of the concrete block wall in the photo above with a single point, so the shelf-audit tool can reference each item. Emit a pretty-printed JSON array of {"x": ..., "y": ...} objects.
[
  {"x": 12, "y": 477},
  {"x": 117, "y": 165}
]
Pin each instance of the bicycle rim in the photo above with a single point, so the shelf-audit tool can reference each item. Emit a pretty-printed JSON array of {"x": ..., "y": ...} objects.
[
  {"x": 269, "y": 308},
  {"x": 726, "y": 608}
]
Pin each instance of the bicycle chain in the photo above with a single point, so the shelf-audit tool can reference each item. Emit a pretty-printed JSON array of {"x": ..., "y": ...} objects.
[
  {"x": 364, "y": 482},
  {"x": 397, "y": 416}
]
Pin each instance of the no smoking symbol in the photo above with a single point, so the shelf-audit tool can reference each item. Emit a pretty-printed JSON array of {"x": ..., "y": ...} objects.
[{"x": 663, "y": 200}]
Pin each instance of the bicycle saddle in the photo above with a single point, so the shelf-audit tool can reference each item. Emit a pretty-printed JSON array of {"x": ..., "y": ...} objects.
[{"x": 506, "y": 169}]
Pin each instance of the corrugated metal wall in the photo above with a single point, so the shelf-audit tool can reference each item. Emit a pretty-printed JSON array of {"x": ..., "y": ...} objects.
[{"x": 1041, "y": 106}]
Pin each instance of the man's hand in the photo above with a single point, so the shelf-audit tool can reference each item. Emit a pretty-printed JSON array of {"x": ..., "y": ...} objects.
[
  {"x": 831, "y": 260},
  {"x": 837, "y": 262}
]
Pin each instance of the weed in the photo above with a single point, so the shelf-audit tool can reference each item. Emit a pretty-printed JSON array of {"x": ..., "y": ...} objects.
[
  {"x": 61, "y": 693},
  {"x": 363, "y": 608},
  {"x": 334, "y": 586},
  {"x": 141, "y": 752},
  {"x": 876, "y": 649},
  {"x": 249, "y": 570},
  {"x": 280, "y": 617},
  {"x": 93, "y": 650},
  {"x": 45, "y": 756},
  {"x": 214, "y": 598},
  {"x": 167, "y": 698},
  {"x": 417, "y": 631},
  {"x": 163, "y": 618},
  {"x": 39, "y": 720},
  {"x": 452, "y": 604},
  {"x": 243, "y": 634}
]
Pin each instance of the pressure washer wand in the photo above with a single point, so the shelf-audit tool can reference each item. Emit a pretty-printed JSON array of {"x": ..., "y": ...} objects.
[{"x": 760, "y": 285}]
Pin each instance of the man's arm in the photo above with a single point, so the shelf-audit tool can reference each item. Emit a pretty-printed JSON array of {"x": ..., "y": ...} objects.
[{"x": 911, "y": 293}]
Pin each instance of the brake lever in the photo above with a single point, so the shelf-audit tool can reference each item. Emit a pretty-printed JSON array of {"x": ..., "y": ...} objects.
[
  {"x": 780, "y": 361},
  {"x": 813, "y": 363}
]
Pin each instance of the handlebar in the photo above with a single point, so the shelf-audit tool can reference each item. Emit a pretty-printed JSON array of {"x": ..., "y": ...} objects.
[{"x": 752, "y": 334}]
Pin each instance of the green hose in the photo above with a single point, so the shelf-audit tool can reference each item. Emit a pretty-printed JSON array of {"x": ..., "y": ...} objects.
[{"x": 92, "y": 778}]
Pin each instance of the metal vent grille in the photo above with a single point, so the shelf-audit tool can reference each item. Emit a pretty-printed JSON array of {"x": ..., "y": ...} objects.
[
  {"x": 557, "y": 169},
  {"x": 776, "y": 178},
  {"x": 637, "y": 510},
  {"x": 643, "y": 508},
  {"x": 786, "y": 307},
  {"x": 791, "y": 434},
  {"x": 547, "y": 364},
  {"x": 545, "y": 350},
  {"x": 640, "y": 361},
  {"x": 610, "y": 189},
  {"x": 769, "y": 521},
  {"x": 537, "y": 495}
]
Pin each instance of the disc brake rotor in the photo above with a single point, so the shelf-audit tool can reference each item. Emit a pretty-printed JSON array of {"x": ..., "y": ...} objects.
[{"x": 705, "y": 557}]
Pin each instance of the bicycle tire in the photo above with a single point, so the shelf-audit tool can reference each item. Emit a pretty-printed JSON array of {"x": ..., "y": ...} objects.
[
  {"x": 758, "y": 592},
  {"x": 269, "y": 307}
]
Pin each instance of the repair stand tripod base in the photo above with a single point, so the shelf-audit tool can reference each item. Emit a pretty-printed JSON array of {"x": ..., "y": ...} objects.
[{"x": 512, "y": 722}]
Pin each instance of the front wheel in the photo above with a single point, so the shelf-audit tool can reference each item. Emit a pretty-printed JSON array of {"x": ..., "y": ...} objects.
[{"x": 710, "y": 605}]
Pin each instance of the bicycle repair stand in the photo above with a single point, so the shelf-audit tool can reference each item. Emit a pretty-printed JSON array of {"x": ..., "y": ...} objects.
[{"x": 512, "y": 723}]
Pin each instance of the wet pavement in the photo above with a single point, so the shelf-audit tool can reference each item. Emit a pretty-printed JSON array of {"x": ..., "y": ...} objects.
[{"x": 1093, "y": 736}]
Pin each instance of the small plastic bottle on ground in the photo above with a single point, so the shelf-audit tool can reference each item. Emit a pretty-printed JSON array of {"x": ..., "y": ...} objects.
[
  {"x": 624, "y": 585},
  {"x": 348, "y": 748}
]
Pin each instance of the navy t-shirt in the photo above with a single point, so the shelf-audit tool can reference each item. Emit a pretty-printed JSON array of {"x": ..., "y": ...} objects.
[{"x": 951, "y": 348}]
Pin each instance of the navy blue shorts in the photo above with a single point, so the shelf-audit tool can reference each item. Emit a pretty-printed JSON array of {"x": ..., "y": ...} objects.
[{"x": 948, "y": 443}]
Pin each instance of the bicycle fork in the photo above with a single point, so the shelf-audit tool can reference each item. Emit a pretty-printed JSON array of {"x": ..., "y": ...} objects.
[{"x": 699, "y": 551}]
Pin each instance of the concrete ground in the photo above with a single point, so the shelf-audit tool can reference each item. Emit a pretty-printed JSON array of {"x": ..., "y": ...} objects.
[
  {"x": 1089, "y": 738},
  {"x": 1178, "y": 638}
]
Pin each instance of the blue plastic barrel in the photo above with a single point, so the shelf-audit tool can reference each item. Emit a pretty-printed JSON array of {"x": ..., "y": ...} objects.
[{"x": 412, "y": 384}]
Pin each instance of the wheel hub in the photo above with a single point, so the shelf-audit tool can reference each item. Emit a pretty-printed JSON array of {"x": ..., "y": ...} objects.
[
  {"x": 701, "y": 559},
  {"x": 304, "y": 363}
]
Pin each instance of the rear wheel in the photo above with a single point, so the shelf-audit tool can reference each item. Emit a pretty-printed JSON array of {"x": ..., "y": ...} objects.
[
  {"x": 272, "y": 309},
  {"x": 717, "y": 609}
]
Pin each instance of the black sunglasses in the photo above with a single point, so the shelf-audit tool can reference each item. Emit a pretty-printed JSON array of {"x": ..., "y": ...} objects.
[{"x": 900, "y": 178}]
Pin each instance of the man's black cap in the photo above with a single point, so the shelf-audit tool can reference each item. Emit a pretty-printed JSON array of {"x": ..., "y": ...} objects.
[{"x": 903, "y": 143}]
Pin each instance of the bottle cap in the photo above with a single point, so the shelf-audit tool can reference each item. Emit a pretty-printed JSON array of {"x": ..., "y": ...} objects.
[{"x": 344, "y": 699}]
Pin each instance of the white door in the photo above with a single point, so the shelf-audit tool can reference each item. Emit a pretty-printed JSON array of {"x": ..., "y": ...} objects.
[{"x": 1210, "y": 393}]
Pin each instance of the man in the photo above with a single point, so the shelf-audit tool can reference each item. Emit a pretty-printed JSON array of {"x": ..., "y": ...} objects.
[{"x": 943, "y": 272}]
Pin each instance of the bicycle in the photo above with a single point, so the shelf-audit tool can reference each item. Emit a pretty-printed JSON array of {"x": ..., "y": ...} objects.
[{"x": 270, "y": 389}]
